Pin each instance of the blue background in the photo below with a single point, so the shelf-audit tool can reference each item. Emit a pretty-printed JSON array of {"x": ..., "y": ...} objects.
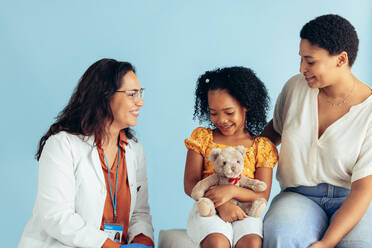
[{"x": 45, "y": 46}]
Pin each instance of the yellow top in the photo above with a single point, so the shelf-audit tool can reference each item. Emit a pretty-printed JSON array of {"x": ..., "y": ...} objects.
[{"x": 262, "y": 153}]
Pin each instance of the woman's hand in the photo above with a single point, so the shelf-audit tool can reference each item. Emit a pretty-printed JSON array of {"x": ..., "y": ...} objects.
[
  {"x": 230, "y": 212},
  {"x": 319, "y": 244},
  {"x": 220, "y": 194}
]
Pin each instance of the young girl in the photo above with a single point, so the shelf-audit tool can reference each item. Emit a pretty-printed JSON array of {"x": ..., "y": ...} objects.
[{"x": 234, "y": 102}]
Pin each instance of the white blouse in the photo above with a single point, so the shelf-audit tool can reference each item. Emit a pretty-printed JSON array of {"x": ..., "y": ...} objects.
[{"x": 342, "y": 154}]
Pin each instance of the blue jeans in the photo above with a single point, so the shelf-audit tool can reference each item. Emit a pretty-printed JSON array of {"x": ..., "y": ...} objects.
[{"x": 299, "y": 216}]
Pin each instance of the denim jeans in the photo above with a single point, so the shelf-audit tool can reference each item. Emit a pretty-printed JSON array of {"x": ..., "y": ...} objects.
[{"x": 299, "y": 216}]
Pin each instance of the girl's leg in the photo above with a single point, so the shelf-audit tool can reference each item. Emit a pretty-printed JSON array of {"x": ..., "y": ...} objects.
[
  {"x": 360, "y": 236},
  {"x": 250, "y": 240},
  {"x": 209, "y": 231},
  {"x": 215, "y": 240},
  {"x": 248, "y": 232},
  {"x": 293, "y": 221}
]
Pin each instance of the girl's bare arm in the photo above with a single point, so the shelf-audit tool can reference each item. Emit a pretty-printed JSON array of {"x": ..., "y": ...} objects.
[
  {"x": 193, "y": 171},
  {"x": 223, "y": 193}
]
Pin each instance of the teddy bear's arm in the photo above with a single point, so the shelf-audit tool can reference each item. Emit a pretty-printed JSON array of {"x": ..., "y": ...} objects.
[
  {"x": 253, "y": 184},
  {"x": 202, "y": 186}
]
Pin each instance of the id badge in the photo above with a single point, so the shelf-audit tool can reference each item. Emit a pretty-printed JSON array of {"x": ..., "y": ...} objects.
[{"x": 114, "y": 231}]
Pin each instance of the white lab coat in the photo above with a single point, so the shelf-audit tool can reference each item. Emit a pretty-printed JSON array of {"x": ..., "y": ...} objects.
[{"x": 71, "y": 195}]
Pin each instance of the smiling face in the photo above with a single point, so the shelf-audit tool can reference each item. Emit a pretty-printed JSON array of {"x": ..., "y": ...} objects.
[
  {"x": 226, "y": 113},
  {"x": 319, "y": 67},
  {"x": 124, "y": 105}
]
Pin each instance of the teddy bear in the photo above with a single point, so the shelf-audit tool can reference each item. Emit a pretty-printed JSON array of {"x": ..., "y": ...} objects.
[{"x": 228, "y": 164}]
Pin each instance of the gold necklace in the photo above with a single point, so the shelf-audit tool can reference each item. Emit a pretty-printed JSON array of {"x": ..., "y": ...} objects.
[{"x": 343, "y": 102}]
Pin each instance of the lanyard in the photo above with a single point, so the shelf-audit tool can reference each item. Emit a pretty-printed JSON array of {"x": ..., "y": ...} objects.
[{"x": 116, "y": 183}]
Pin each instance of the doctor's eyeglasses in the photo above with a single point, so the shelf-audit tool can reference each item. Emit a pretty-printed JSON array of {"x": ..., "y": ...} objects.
[{"x": 135, "y": 94}]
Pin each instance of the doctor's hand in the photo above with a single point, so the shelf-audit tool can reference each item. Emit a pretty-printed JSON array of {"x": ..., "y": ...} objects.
[
  {"x": 230, "y": 212},
  {"x": 220, "y": 194},
  {"x": 135, "y": 245}
]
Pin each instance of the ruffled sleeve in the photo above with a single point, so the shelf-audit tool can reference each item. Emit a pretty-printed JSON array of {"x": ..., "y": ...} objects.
[
  {"x": 198, "y": 140},
  {"x": 267, "y": 154}
]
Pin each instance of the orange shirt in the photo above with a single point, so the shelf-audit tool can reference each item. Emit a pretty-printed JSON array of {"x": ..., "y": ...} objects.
[
  {"x": 262, "y": 153},
  {"x": 123, "y": 198}
]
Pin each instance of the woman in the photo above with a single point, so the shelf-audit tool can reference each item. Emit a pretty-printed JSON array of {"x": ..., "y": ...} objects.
[
  {"x": 323, "y": 120},
  {"x": 92, "y": 174}
]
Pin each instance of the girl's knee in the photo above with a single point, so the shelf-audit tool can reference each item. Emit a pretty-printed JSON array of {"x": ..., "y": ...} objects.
[
  {"x": 215, "y": 240},
  {"x": 250, "y": 240}
]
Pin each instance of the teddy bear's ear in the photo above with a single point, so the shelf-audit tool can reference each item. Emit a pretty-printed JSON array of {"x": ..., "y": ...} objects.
[
  {"x": 214, "y": 154},
  {"x": 241, "y": 149}
]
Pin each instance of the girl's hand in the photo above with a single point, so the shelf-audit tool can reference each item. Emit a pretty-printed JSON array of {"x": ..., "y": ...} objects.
[
  {"x": 230, "y": 212},
  {"x": 220, "y": 194}
]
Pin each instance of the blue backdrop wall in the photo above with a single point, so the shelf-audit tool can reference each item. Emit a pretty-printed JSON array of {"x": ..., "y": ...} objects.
[{"x": 45, "y": 46}]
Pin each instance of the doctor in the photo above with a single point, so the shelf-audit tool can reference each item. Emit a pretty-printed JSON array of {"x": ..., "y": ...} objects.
[{"x": 92, "y": 174}]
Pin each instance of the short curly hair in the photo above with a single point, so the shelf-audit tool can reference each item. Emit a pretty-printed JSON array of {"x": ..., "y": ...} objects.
[
  {"x": 333, "y": 33},
  {"x": 242, "y": 84}
]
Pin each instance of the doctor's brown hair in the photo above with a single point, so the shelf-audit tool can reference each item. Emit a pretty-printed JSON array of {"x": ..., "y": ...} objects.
[{"x": 89, "y": 106}]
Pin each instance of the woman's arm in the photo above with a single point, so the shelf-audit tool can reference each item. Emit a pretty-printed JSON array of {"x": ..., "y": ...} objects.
[
  {"x": 349, "y": 214},
  {"x": 140, "y": 222},
  {"x": 270, "y": 133},
  {"x": 356, "y": 204},
  {"x": 55, "y": 202}
]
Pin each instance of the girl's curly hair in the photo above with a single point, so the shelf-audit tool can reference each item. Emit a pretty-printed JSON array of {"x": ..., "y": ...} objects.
[{"x": 242, "y": 84}]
